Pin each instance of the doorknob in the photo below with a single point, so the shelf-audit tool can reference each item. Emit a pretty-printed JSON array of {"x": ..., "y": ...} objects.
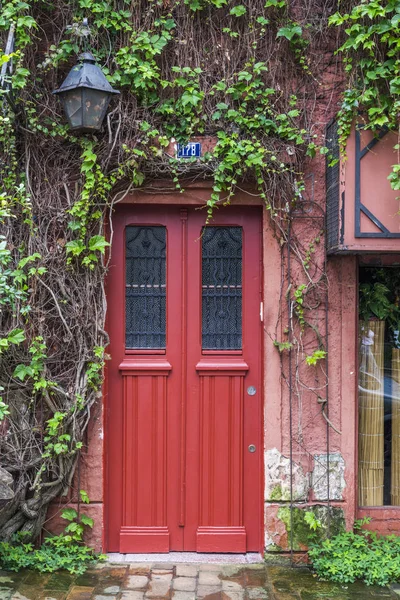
[{"x": 252, "y": 448}]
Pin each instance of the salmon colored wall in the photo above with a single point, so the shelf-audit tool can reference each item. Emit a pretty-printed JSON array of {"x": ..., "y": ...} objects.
[
  {"x": 342, "y": 274},
  {"x": 89, "y": 477}
]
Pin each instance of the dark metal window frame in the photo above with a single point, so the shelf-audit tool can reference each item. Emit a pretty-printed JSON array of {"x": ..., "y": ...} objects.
[
  {"x": 359, "y": 206},
  {"x": 147, "y": 290},
  {"x": 229, "y": 336}
]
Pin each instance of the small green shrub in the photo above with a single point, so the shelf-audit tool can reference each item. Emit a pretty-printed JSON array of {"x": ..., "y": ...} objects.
[
  {"x": 65, "y": 551},
  {"x": 55, "y": 553},
  {"x": 361, "y": 554}
]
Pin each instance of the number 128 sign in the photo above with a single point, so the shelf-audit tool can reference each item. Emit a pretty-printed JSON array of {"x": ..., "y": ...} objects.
[{"x": 190, "y": 150}]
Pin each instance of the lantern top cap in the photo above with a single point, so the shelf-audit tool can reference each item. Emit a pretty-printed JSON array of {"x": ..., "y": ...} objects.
[{"x": 86, "y": 74}]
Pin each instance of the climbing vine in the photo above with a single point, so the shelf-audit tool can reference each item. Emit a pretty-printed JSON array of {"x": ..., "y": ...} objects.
[
  {"x": 245, "y": 73},
  {"x": 371, "y": 58}
]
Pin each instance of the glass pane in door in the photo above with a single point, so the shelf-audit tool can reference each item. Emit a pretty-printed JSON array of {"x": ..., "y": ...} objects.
[
  {"x": 145, "y": 291},
  {"x": 222, "y": 288}
]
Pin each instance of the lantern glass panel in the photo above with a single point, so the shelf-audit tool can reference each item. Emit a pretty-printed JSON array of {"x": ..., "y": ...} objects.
[
  {"x": 72, "y": 101},
  {"x": 95, "y": 104}
]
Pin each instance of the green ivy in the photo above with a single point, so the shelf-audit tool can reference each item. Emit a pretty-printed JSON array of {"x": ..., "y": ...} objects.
[{"x": 370, "y": 54}]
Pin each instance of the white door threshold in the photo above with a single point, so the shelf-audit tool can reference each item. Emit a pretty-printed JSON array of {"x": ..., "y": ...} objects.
[{"x": 173, "y": 558}]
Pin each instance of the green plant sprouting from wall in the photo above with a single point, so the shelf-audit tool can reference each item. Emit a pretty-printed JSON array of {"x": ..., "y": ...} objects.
[{"x": 236, "y": 71}]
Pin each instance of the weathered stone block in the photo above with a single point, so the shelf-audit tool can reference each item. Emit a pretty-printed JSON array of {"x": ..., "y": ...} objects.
[
  {"x": 184, "y": 584},
  {"x": 277, "y": 478},
  {"x": 209, "y": 578},
  {"x": 137, "y": 582},
  {"x": 186, "y": 570},
  {"x": 337, "y": 481}
]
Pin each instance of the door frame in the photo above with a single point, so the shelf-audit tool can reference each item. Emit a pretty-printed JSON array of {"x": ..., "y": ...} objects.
[{"x": 194, "y": 195}]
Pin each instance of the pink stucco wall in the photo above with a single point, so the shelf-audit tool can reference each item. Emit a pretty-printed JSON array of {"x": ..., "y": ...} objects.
[{"x": 89, "y": 477}]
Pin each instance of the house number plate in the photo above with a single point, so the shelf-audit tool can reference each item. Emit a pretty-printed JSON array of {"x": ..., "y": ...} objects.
[
  {"x": 190, "y": 150},
  {"x": 251, "y": 390}
]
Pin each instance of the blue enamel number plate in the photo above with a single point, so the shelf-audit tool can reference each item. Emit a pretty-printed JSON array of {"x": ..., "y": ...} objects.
[{"x": 190, "y": 150}]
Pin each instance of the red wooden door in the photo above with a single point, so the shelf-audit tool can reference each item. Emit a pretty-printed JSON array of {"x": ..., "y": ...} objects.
[{"x": 184, "y": 402}]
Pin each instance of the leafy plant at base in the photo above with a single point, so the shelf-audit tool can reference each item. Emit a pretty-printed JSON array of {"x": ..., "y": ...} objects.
[
  {"x": 359, "y": 555},
  {"x": 65, "y": 551},
  {"x": 74, "y": 531},
  {"x": 54, "y": 554}
]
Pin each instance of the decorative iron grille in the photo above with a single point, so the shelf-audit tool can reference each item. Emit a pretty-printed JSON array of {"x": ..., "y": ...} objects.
[
  {"x": 145, "y": 295},
  {"x": 222, "y": 288},
  {"x": 332, "y": 186}
]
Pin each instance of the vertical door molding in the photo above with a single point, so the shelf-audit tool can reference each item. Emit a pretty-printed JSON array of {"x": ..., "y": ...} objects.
[
  {"x": 144, "y": 516},
  {"x": 183, "y": 417},
  {"x": 221, "y": 520}
]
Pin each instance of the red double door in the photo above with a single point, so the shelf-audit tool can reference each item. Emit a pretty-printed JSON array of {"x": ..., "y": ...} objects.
[{"x": 183, "y": 408}]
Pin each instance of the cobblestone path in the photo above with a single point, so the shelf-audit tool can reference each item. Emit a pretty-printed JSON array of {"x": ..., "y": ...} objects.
[{"x": 160, "y": 581}]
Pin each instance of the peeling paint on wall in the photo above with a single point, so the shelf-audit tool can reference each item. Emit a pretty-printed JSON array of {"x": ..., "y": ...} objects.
[{"x": 277, "y": 479}]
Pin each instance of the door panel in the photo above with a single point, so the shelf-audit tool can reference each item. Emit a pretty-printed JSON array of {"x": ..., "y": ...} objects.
[
  {"x": 185, "y": 346},
  {"x": 144, "y": 514},
  {"x": 221, "y": 461}
]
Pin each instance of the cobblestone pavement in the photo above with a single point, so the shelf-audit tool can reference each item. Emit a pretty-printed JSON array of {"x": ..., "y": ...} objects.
[{"x": 151, "y": 581}]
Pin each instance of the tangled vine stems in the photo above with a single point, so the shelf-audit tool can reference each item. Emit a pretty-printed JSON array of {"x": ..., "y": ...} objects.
[{"x": 246, "y": 73}]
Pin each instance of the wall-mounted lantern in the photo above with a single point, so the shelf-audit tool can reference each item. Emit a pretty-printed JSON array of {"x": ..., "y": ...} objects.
[{"x": 85, "y": 95}]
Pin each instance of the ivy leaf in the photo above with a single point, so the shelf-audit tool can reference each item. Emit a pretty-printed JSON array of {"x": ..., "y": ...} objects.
[
  {"x": 75, "y": 247},
  {"x": 28, "y": 259},
  {"x": 289, "y": 32},
  {"x": 60, "y": 448},
  {"x": 16, "y": 336},
  {"x": 72, "y": 527},
  {"x": 84, "y": 496},
  {"x": 275, "y": 3},
  {"x": 5, "y": 58},
  {"x": 395, "y": 20},
  {"x": 74, "y": 225},
  {"x": 169, "y": 24},
  {"x": 87, "y": 521},
  {"x": 4, "y": 343},
  {"x": 22, "y": 371},
  {"x": 282, "y": 345},
  {"x": 69, "y": 514},
  {"x": 99, "y": 243},
  {"x": 238, "y": 10}
]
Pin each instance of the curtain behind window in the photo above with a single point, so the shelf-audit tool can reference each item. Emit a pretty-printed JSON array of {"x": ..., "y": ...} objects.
[{"x": 371, "y": 414}]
